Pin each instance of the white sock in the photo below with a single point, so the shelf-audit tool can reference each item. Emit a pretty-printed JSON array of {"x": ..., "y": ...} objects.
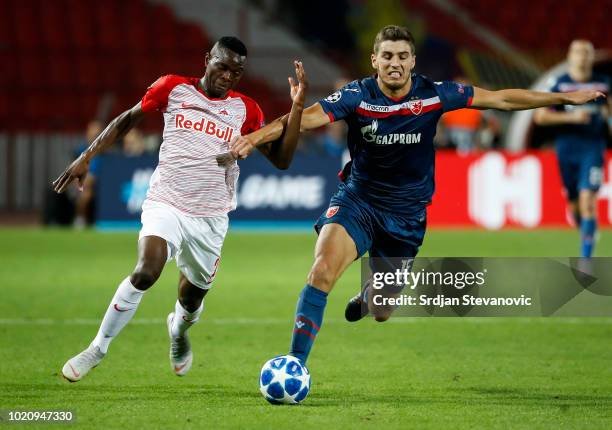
[
  {"x": 183, "y": 319},
  {"x": 120, "y": 311}
]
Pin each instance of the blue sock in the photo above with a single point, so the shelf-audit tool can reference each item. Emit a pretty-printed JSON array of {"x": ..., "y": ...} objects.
[
  {"x": 308, "y": 319},
  {"x": 587, "y": 237}
]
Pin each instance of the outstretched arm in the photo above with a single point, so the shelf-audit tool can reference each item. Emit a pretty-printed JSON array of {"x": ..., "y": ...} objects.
[
  {"x": 312, "y": 117},
  {"x": 280, "y": 152},
  {"x": 525, "y": 99},
  {"x": 117, "y": 128}
]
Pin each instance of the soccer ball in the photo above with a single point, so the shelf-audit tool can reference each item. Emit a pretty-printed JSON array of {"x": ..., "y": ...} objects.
[{"x": 284, "y": 380}]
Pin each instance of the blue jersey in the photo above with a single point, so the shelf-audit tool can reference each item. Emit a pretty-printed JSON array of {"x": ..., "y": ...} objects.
[
  {"x": 570, "y": 135},
  {"x": 391, "y": 141}
]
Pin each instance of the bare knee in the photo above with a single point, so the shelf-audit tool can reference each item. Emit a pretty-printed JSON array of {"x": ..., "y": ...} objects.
[
  {"x": 322, "y": 275},
  {"x": 190, "y": 296},
  {"x": 191, "y": 302},
  {"x": 143, "y": 277},
  {"x": 587, "y": 204},
  {"x": 152, "y": 254}
]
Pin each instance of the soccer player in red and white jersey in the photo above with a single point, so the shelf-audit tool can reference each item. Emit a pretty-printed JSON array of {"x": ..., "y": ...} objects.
[{"x": 191, "y": 191}]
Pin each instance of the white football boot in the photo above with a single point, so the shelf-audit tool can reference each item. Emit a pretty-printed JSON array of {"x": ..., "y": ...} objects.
[
  {"x": 181, "y": 356},
  {"x": 78, "y": 366}
]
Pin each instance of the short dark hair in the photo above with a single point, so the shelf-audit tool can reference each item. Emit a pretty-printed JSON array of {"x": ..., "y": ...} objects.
[
  {"x": 394, "y": 32},
  {"x": 233, "y": 44}
]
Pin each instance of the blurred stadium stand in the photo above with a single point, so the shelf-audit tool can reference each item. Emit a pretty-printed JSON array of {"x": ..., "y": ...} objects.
[
  {"x": 272, "y": 47},
  {"x": 61, "y": 58},
  {"x": 65, "y": 62}
]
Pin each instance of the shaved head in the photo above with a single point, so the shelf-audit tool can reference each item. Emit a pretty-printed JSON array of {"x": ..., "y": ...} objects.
[
  {"x": 220, "y": 52},
  {"x": 224, "y": 66}
]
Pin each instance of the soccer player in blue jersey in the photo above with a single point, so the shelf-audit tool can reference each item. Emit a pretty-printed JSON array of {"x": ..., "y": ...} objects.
[
  {"x": 380, "y": 207},
  {"x": 581, "y": 139}
]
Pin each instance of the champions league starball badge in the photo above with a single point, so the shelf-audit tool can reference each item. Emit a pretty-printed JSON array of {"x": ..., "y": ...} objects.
[{"x": 334, "y": 97}]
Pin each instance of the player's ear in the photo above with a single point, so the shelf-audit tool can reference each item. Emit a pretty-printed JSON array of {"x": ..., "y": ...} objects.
[
  {"x": 374, "y": 65},
  {"x": 206, "y": 59},
  {"x": 413, "y": 61}
]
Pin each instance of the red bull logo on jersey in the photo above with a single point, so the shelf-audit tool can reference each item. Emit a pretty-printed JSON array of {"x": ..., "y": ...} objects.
[{"x": 205, "y": 126}]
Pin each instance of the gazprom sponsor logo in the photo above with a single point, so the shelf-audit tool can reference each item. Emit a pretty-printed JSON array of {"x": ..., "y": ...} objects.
[
  {"x": 369, "y": 135},
  {"x": 401, "y": 138},
  {"x": 281, "y": 192}
]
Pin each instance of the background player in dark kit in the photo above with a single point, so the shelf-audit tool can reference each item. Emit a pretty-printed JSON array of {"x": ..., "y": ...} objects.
[{"x": 581, "y": 139}]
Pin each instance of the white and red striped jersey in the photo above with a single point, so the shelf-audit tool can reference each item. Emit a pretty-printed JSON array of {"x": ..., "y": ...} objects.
[{"x": 197, "y": 128}]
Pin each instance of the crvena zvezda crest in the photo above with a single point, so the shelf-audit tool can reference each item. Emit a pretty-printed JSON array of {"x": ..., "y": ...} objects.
[
  {"x": 416, "y": 106},
  {"x": 333, "y": 210}
]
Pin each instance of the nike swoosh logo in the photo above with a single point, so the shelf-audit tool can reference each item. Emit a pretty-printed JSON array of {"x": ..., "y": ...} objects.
[
  {"x": 118, "y": 309},
  {"x": 179, "y": 368},
  {"x": 77, "y": 374}
]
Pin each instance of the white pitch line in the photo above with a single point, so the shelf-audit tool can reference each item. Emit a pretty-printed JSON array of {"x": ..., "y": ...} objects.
[
  {"x": 271, "y": 321},
  {"x": 138, "y": 321}
]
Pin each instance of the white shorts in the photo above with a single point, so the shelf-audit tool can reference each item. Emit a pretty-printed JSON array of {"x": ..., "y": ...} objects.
[{"x": 195, "y": 242}]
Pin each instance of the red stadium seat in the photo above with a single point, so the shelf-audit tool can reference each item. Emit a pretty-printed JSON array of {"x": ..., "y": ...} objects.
[
  {"x": 9, "y": 71},
  {"x": 161, "y": 17},
  {"x": 31, "y": 67},
  {"x": 526, "y": 23},
  {"x": 53, "y": 24},
  {"x": 87, "y": 72},
  {"x": 108, "y": 35},
  {"x": 7, "y": 30},
  {"x": 60, "y": 71},
  {"x": 27, "y": 31},
  {"x": 80, "y": 25},
  {"x": 114, "y": 72}
]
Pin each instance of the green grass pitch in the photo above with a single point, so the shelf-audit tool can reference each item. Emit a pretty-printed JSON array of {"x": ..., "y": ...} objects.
[{"x": 406, "y": 373}]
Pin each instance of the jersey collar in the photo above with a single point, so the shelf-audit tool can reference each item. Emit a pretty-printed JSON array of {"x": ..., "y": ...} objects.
[{"x": 413, "y": 78}]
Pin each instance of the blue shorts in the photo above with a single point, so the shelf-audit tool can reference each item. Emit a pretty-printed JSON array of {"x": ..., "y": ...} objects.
[
  {"x": 381, "y": 233},
  {"x": 582, "y": 168}
]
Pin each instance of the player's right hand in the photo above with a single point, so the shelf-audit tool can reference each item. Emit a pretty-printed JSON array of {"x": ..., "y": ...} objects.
[
  {"x": 581, "y": 97},
  {"x": 77, "y": 170}
]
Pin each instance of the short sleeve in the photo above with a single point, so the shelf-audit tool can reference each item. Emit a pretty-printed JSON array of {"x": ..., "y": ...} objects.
[
  {"x": 254, "y": 117},
  {"x": 454, "y": 95},
  {"x": 156, "y": 97},
  {"x": 343, "y": 102}
]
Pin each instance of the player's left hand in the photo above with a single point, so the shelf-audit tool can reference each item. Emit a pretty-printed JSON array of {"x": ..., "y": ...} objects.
[{"x": 582, "y": 97}]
